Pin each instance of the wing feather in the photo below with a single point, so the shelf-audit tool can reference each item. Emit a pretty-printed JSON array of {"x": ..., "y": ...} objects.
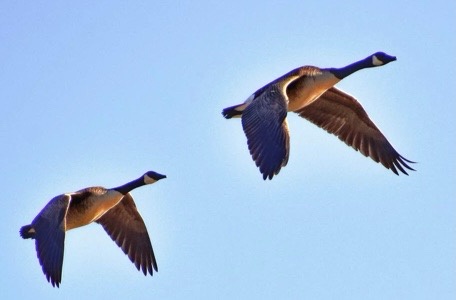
[
  {"x": 49, "y": 225},
  {"x": 340, "y": 114},
  {"x": 125, "y": 226},
  {"x": 267, "y": 133}
]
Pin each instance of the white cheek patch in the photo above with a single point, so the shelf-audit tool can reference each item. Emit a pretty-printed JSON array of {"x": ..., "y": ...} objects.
[
  {"x": 149, "y": 180},
  {"x": 376, "y": 61}
]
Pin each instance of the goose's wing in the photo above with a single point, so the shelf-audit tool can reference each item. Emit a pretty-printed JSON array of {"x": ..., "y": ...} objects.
[
  {"x": 49, "y": 226},
  {"x": 266, "y": 129},
  {"x": 125, "y": 226},
  {"x": 340, "y": 114}
]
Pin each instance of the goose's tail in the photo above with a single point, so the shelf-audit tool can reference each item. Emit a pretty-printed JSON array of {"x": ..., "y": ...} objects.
[
  {"x": 233, "y": 111},
  {"x": 27, "y": 232}
]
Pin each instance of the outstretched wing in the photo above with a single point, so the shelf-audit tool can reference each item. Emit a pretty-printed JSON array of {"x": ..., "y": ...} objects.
[
  {"x": 49, "y": 226},
  {"x": 340, "y": 114},
  {"x": 267, "y": 133},
  {"x": 125, "y": 226}
]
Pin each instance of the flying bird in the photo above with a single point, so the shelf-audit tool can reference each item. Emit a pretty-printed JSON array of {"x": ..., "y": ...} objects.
[
  {"x": 114, "y": 209},
  {"x": 309, "y": 91}
]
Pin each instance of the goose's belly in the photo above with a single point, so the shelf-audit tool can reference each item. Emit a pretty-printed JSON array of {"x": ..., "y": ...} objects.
[
  {"x": 307, "y": 91},
  {"x": 305, "y": 98},
  {"x": 91, "y": 209}
]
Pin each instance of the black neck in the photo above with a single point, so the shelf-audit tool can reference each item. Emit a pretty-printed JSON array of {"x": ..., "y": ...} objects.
[
  {"x": 126, "y": 188},
  {"x": 341, "y": 73}
]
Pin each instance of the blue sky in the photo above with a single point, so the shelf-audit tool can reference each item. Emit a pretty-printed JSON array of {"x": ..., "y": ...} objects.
[{"x": 99, "y": 93}]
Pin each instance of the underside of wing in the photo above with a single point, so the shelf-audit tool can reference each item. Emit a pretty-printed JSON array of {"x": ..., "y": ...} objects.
[
  {"x": 125, "y": 226},
  {"x": 266, "y": 129},
  {"x": 340, "y": 114},
  {"x": 50, "y": 237}
]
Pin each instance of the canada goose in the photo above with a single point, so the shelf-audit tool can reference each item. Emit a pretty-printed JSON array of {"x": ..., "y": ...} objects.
[
  {"x": 309, "y": 92},
  {"x": 113, "y": 208}
]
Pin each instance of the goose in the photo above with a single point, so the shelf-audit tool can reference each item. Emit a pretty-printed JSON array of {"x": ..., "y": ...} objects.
[
  {"x": 114, "y": 209},
  {"x": 309, "y": 91}
]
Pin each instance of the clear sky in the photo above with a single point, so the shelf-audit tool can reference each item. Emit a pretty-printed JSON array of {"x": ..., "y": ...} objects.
[{"x": 98, "y": 92}]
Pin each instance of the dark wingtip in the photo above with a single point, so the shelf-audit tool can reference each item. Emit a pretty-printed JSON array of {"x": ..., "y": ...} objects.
[
  {"x": 401, "y": 163},
  {"x": 55, "y": 283},
  {"x": 409, "y": 161},
  {"x": 268, "y": 175},
  {"x": 153, "y": 265}
]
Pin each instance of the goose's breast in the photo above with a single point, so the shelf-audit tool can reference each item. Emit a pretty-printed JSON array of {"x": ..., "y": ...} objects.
[
  {"x": 306, "y": 90},
  {"x": 91, "y": 209}
]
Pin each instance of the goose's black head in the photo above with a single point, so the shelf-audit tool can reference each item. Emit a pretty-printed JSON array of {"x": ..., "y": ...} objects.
[
  {"x": 381, "y": 58},
  {"x": 151, "y": 177}
]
